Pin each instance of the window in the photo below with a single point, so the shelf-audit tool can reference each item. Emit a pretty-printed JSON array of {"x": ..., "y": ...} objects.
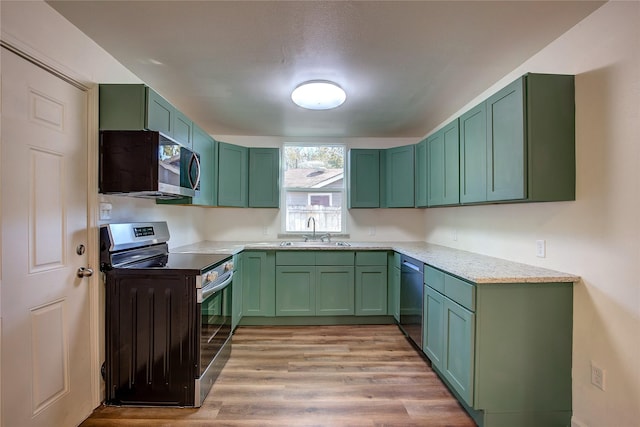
[{"x": 313, "y": 187}]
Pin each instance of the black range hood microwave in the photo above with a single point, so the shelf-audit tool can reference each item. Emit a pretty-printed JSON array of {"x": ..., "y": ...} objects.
[{"x": 148, "y": 164}]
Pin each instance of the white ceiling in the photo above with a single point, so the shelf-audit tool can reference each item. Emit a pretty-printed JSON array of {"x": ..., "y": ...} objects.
[{"x": 406, "y": 65}]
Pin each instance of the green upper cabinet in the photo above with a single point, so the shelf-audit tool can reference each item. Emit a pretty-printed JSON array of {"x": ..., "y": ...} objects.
[
  {"x": 527, "y": 152},
  {"x": 473, "y": 155},
  {"x": 232, "y": 175},
  {"x": 183, "y": 129},
  {"x": 206, "y": 147},
  {"x": 399, "y": 177},
  {"x": 264, "y": 177},
  {"x": 364, "y": 178},
  {"x": 443, "y": 178},
  {"x": 506, "y": 179},
  {"x": 160, "y": 114},
  {"x": 422, "y": 181},
  {"x": 138, "y": 107}
]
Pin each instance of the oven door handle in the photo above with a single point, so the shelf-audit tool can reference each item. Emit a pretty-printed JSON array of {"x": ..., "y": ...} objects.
[{"x": 209, "y": 290}]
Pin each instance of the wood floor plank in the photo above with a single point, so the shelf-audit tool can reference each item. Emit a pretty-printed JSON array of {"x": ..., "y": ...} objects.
[{"x": 309, "y": 376}]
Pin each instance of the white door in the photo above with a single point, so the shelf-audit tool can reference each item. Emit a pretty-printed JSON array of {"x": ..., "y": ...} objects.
[{"x": 46, "y": 375}]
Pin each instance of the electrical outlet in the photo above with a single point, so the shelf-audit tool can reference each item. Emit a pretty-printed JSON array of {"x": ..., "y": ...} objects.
[
  {"x": 541, "y": 248},
  {"x": 454, "y": 235},
  {"x": 372, "y": 231},
  {"x": 597, "y": 376}
]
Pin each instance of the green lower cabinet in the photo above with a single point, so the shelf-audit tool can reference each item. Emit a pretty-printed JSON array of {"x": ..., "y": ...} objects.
[
  {"x": 433, "y": 330},
  {"x": 371, "y": 290},
  {"x": 503, "y": 349},
  {"x": 295, "y": 290},
  {"x": 458, "y": 348},
  {"x": 334, "y": 291},
  {"x": 258, "y": 283},
  {"x": 393, "y": 295},
  {"x": 314, "y": 291},
  {"x": 236, "y": 291}
]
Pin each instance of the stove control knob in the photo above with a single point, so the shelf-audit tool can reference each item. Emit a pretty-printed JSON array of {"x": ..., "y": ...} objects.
[
  {"x": 210, "y": 277},
  {"x": 228, "y": 266}
]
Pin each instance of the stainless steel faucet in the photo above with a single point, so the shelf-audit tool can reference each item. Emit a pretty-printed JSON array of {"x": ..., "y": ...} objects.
[{"x": 313, "y": 237}]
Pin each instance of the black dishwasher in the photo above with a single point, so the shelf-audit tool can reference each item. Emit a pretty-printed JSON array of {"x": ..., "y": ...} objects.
[{"x": 411, "y": 298}]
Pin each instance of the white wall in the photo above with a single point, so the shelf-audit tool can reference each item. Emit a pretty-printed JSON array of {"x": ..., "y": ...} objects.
[
  {"x": 598, "y": 235},
  {"x": 45, "y": 34},
  {"x": 231, "y": 224}
]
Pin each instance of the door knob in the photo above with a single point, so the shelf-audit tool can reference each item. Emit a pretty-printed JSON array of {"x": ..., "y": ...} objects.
[{"x": 84, "y": 272}]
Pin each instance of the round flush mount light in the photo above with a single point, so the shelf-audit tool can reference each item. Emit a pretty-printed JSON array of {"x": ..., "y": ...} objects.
[{"x": 318, "y": 95}]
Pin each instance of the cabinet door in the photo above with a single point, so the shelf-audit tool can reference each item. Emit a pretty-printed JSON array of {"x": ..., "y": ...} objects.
[
  {"x": 264, "y": 176},
  {"x": 334, "y": 291},
  {"x": 205, "y": 146},
  {"x": 295, "y": 291},
  {"x": 506, "y": 154},
  {"x": 458, "y": 351},
  {"x": 182, "y": 129},
  {"x": 395, "y": 294},
  {"x": 122, "y": 106},
  {"x": 473, "y": 155},
  {"x": 258, "y": 279},
  {"x": 232, "y": 175},
  {"x": 400, "y": 178},
  {"x": 444, "y": 166},
  {"x": 364, "y": 178},
  {"x": 433, "y": 330},
  {"x": 422, "y": 174},
  {"x": 160, "y": 113},
  {"x": 371, "y": 290},
  {"x": 237, "y": 290}
]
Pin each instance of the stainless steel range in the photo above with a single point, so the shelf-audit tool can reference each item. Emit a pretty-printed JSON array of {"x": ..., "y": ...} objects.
[{"x": 168, "y": 317}]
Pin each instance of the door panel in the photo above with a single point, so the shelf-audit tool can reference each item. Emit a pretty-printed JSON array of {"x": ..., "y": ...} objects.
[
  {"x": 45, "y": 307},
  {"x": 473, "y": 155},
  {"x": 505, "y": 144}
]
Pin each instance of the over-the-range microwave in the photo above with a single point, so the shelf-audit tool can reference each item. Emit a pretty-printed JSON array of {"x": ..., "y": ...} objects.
[{"x": 143, "y": 163}]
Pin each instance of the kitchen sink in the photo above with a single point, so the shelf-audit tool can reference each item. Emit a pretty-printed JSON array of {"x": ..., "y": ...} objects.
[{"x": 313, "y": 244}]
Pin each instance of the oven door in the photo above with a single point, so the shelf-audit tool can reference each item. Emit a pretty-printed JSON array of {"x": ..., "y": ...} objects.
[{"x": 215, "y": 331}]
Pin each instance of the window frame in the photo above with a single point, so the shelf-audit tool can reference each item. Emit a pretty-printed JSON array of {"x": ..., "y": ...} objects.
[{"x": 284, "y": 190}]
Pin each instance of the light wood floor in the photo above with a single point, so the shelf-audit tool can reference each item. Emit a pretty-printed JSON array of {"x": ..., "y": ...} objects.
[{"x": 312, "y": 376}]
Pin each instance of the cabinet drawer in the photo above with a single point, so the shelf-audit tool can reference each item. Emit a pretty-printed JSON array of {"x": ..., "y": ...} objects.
[
  {"x": 371, "y": 258},
  {"x": 460, "y": 291},
  {"x": 334, "y": 258},
  {"x": 434, "y": 278},
  {"x": 295, "y": 258}
]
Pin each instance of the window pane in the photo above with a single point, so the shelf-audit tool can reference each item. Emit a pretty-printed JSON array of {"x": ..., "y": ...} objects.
[
  {"x": 313, "y": 167},
  {"x": 314, "y": 184},
  {"x": 328, "y": 218}
]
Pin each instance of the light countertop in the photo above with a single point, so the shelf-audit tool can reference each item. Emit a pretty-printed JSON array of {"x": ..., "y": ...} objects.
[{"x": 466, "y": 265}]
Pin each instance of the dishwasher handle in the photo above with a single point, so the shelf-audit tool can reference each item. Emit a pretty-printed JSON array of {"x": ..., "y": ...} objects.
[{"x": 411, "y": 266}]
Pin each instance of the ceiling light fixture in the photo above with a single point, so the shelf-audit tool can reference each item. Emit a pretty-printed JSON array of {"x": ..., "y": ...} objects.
[{"x": 318, "y": 95}]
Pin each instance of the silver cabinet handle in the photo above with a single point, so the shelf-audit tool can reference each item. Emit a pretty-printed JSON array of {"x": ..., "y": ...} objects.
[{"x": 84, "y": 272}]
